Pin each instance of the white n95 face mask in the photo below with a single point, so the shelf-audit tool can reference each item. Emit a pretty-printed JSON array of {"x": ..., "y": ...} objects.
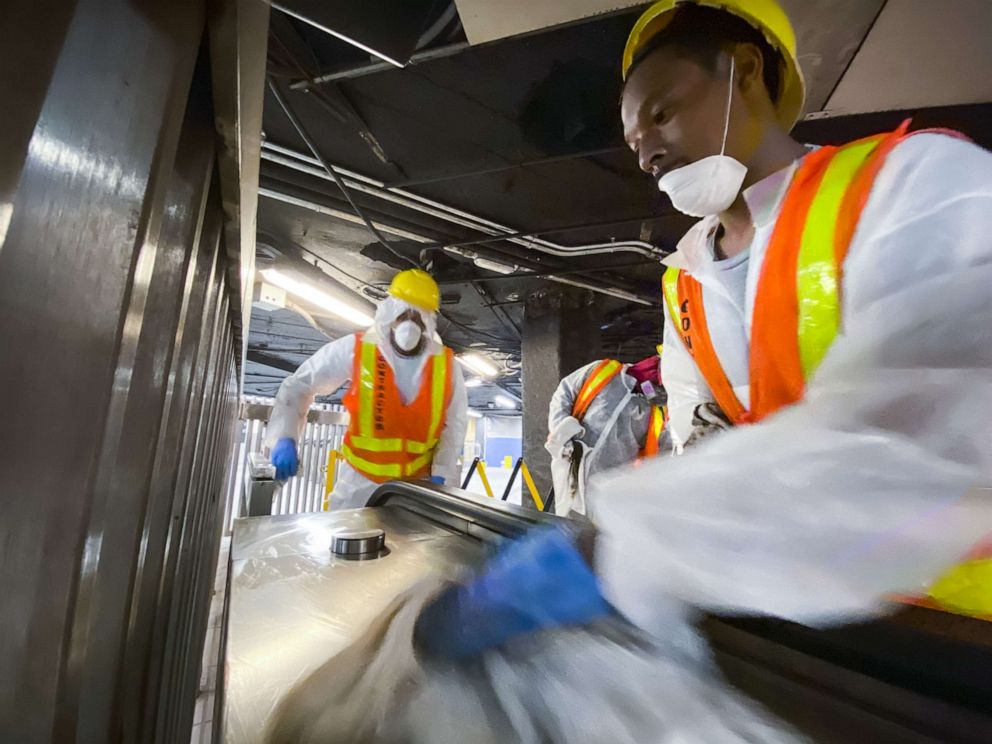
[
  {"x": 708, "y": 186},
  {"x": 407, "y": 335}
]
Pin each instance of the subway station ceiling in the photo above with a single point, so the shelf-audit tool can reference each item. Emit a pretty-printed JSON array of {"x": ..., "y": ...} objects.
[{"x": 494, "y": 156}]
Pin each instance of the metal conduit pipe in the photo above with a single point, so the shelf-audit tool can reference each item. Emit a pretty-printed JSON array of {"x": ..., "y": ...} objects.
[
  {"x": 443, "y": 211},
  {"x": 340, "y": 214},
  {"x": 464, "y": 252}
]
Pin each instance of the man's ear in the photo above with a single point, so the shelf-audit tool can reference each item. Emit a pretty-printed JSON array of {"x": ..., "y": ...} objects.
[{"x": 750, "y": 64}]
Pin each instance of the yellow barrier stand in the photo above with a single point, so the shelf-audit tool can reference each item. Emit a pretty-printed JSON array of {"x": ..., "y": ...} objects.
[
  {"x": 332, "y": 461},
  {"x": 485, "y": 480},
  {"x": 538, "y": 501}
]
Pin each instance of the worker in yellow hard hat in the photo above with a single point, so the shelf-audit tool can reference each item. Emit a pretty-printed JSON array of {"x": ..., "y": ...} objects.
[
  {"x": 834, "y": 304},
  {"x": 407, "y": 401}
]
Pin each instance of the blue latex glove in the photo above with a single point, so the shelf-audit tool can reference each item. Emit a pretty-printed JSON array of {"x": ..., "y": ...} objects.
[
  {"x": 285, "y": 459},
  {"x": 537, "y": 582},
  {"x": 437, "y": 479}
]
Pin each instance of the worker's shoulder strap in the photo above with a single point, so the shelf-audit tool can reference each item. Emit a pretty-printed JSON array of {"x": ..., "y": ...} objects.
[
  {"x": 797, "y": 311},
  {"x": 656, "y": 425},
  {"x": 599, "y": 378},
  {"x": 684, "y": 297}
]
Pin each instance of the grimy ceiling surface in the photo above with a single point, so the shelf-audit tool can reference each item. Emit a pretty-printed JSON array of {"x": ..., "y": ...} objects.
[{"x": 522, "y": 131}]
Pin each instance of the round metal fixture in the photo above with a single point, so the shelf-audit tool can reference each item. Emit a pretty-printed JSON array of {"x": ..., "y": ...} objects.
[{"x": 366, "y": 543}]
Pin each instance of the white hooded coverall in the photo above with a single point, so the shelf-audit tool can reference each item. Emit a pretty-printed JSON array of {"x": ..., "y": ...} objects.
[
  {"x": 333, "y": 365},
  {"x": 612, "y": 432},
  {"x": 821, "y": 510}
]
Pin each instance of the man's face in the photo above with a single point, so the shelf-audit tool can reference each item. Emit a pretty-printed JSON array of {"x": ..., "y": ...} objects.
[{"x": 673, "y": 112}]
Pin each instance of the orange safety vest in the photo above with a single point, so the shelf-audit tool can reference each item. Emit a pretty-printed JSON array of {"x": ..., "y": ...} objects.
[
  {"x": 601, "y": 376},
  {"x": 387, "y": 439},
  {"x": 797, "y": 313},
  {"x": 797, "y": 307}
]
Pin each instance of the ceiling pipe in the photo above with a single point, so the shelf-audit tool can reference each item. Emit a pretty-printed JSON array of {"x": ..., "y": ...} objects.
[
  {"x": 464, "y": 252},
  {"x": 372, "y": 67},
  {"x": 306, "y": 164}
]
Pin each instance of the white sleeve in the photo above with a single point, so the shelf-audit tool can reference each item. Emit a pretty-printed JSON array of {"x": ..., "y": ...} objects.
[
  {"x": 683, "y": 382},
  {"x": 321, "y": 374},
  {"x": 822, "y": 510},
  {"x": 452, "y": 439},
  {"x": 563, "y": 399}
]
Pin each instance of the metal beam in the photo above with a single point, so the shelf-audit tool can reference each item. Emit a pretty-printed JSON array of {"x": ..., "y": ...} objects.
[
  {"x": 362, "y": 70},
  {"x": 270, "y": 360}
]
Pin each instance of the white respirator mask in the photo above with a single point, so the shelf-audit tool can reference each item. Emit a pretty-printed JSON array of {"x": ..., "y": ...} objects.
[
  {"x": 708, "y": 186},
  {"x": 407, "y": 335}
]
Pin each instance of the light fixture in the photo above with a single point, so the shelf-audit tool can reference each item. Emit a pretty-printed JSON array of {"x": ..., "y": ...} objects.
[
  {"x": 504, "y": 401},
  {"x": 472, "y": 413},
  {"x": 473, "y": 382},
  {"x": 497, "y": 267},
  {"x": 479, "y": 364},
  {"x": 321, "y": 299}
]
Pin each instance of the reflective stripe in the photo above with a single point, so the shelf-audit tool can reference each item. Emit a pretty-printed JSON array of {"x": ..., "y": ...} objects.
[
  {"x": 600, "y": 377},
  {"x": 420, "y": 463},
  {"x": 816, "y": 269},
  {"x": 366, "y": 389},
  {"x": 439, "y": 383},
  {"x": 656, "y": 426},
  {"x": 373, "y": 444},
  {"x": 670, "y": 288},
  {"x": 379, "y": 470}
]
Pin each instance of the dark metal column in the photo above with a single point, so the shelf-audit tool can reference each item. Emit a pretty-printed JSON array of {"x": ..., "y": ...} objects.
[{"x": 561, "y": 332}]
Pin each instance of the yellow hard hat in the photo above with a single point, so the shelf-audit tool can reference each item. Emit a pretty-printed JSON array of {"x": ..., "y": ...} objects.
[
  {"x": 418, "y": 288},
  {"x": 765, "y": 15}
]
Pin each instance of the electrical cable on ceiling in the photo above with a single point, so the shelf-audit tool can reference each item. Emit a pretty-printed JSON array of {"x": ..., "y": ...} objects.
[
  {"x": 338, "y": 269},
  {"x": 305, "y": 136}
]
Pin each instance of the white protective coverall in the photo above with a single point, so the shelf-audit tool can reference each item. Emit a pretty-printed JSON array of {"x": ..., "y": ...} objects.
[
  {"x": 823, "y": 509},
  {"x": 333, "y": 365},
  {"x": 612, "y": 432}
]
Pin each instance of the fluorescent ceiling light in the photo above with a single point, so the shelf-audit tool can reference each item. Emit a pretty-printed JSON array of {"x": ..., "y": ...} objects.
[
  {"x": 505, "y": 401},
  {"x": 321, "y": 299},
  {"x": 495, "y": 266},
  {"x": 472, "y": 413},
  {"x": 479, "y": 364},
  {"x": 473, "y": 383}
]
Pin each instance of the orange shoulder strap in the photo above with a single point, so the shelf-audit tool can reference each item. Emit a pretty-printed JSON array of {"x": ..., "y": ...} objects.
[
  {"x": 656, "y": 425},
  {"x": 601, "y": 375},
  {"x": 690, "y": 322},
  {"x": 798, "y": 300}
]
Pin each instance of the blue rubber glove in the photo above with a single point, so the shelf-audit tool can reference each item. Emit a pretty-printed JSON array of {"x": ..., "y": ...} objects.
[
  {"x": 285, "y": 459},
  {"x": 437, "y": 479},
  {"x": 537, "y": 582}
]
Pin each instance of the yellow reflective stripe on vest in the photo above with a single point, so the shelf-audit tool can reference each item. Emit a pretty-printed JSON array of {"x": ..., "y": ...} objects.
[
  {"x": 657, "y": 422},
  {"x": 439, "y": 383},
  {"x": 670, "y": 288},
  {"x": 419, "y": 463},
  {"x": 595, "y": 383},
  {"x": 374, "y": 444},
  {"x": 816, "y": 269},
  {"x": 379, "y": 470},
  {"x": 366, "y": 390}
]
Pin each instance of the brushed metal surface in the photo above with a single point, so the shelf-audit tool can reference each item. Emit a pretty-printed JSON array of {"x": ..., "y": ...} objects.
[
  {"x": 294, "y": 604},
  {"x": 119, "y": 356}
]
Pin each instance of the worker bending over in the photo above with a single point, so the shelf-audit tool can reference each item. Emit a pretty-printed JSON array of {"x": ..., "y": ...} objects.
[
  {"x": 836, "y": 303},
  {"x": 603, "y": 415},
  {"x": 407, "y": 402}
]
